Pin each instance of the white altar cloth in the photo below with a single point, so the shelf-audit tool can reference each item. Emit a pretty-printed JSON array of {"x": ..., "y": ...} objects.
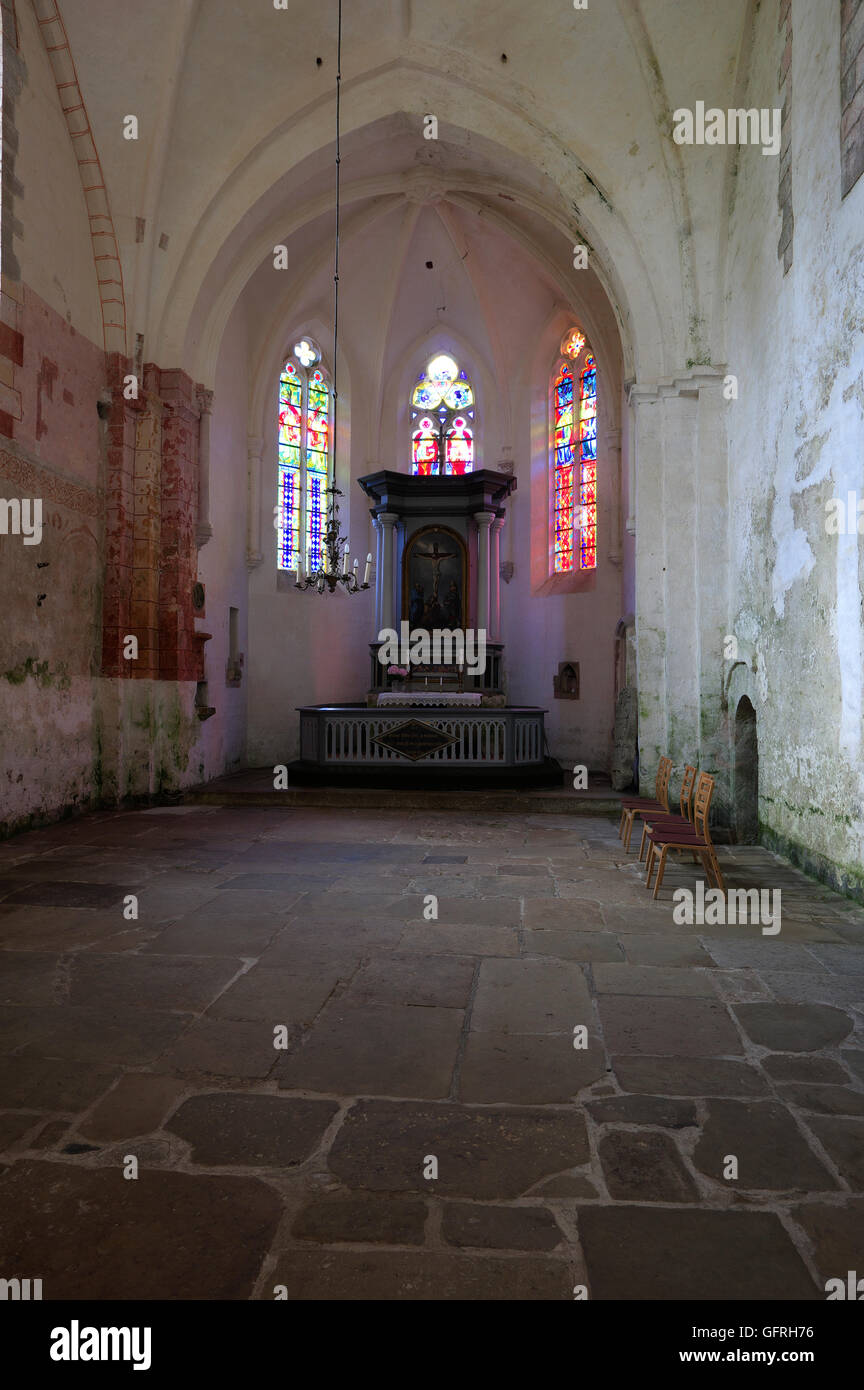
[{"x": 429, "y": 697}]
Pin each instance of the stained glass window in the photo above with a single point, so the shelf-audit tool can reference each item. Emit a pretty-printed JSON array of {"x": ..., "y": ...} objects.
[
  {"x": 304, "y": 457},
  {"x": 574, "y": 448},
  {"x": 588, "y": 464},
  {"x": 564, "y": 436},
  {"x": 572, "y": 343},
  {"x": 425, "y": 447},
  {"x": 460, "y": 447},
  {"x": 442, "y": 419},
  {"x": 290, "y": 450}
]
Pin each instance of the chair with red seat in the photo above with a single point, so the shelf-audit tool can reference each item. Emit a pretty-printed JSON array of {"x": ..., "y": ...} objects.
[
  {"x": 695, "y": 838},
  {"x": 631, "y": 805},
  {"x": 685, "y": 801}
]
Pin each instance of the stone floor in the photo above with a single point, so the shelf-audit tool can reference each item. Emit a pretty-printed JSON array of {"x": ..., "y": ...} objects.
[{"x": 428, "y": 1130}]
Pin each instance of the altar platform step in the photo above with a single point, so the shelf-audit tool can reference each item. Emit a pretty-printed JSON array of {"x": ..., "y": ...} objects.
[{"x": 255, "y": 788}]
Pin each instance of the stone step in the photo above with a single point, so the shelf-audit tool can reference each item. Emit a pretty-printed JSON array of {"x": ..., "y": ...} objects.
[{"x": 255, "y": 788}]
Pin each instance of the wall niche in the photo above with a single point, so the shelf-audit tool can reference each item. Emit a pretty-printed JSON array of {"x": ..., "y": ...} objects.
[{"x": 566, "y": 684}]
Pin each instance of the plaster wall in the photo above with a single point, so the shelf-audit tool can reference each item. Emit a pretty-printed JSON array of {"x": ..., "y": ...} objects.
[
  {"x": 52, "y": 591},
  {"x": 70, "y": 737},
  {"x": 796, "y": 440}
]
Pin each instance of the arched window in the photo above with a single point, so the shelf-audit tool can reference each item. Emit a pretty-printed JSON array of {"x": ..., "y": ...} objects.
[
  {"x": 442, "y": 419},
  {"x": 574, "y": 458},
  {"x": 305, "y": 412}
]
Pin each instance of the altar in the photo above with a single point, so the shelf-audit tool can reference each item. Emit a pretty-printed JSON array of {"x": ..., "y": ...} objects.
[
  {"x": 428, "y": 697},
  {"x": 435, "y": 711}
]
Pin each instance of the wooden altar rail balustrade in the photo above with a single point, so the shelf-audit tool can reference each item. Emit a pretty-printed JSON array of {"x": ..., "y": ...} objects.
[{"x": 344, "y": 736}]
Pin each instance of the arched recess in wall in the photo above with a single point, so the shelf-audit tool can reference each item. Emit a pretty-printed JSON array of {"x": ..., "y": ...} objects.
[
  {"x": 746, "y": 770},
  {"x": 741, "y": 685}
]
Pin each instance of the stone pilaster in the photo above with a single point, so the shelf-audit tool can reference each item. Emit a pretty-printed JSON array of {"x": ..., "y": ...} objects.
[
  {"x": 120, "y": 549},
  {"x": 387, "y": 521},
  {"x": 484, "y": 522},
  {"x": 147, "y": 532},
  {"x": 495, "y": 581},
  {"x": 681, "y": 567},
  {"x": 204, "y": 529},
  {"x": 152, "y": 489},
  {"x": 379, "y": 541},
  {"x": 612, "y": 457},
  {"x": 179, "y": 652}
]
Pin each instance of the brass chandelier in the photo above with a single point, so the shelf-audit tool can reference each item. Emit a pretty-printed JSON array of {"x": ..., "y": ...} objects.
[{"x": 335, "y": 555}]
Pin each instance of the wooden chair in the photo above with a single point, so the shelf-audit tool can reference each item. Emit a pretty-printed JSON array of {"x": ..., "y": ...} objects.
[
  {"x": 631, "y": 805},
  {"x": 695, "y": 838},
  {"x": 685, "y": 801}
]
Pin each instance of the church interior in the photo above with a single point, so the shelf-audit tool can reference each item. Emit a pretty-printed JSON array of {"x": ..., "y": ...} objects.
[{"x": 432, "y": 649}]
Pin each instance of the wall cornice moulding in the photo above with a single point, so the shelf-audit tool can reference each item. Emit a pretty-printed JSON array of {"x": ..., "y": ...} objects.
[{"x": 689, "y": 383}]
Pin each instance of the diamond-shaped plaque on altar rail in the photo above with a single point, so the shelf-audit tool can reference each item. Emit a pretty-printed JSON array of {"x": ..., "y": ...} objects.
[{"x": 414, "y": 739}]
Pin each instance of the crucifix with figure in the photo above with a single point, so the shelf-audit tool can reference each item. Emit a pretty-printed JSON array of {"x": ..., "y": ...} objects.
[{"x": 437, "y": 556}]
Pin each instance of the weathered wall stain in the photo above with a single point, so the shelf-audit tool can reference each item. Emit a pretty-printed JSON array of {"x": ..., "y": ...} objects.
[{"x": 48, "y": 373}]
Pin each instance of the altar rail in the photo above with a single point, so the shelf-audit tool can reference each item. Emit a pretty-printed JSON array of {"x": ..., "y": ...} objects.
[{"x": 340, "y": 735}]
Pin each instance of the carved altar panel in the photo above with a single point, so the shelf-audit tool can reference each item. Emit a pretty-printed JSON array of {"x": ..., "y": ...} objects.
[{"x": 434, "y": 579}]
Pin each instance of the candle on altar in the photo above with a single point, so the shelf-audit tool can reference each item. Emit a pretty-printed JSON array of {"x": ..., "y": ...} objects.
[
  {"x": 345, "y": 559},
  {"x": 368, "y": 568},
  {"x": 356, "y": 564}
]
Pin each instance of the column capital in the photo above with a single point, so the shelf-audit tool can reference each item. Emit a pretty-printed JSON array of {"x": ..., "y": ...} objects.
[
  {"x": 388, "y": 518},
  {"x": 485, "y": 518},
  {"x": 205, "y": 400}
]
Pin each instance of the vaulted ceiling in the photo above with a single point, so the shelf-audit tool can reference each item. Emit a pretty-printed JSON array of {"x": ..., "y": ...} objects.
[{"x": 568, "y": 140}]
